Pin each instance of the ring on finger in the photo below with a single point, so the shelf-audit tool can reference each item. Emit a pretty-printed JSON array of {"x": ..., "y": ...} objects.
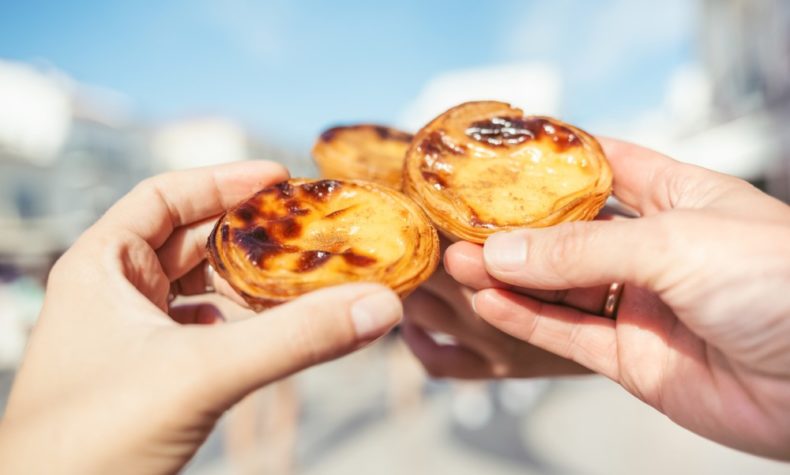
[
  {"x": 208, "y": 277},
  {"x": 612, "y": 302}
]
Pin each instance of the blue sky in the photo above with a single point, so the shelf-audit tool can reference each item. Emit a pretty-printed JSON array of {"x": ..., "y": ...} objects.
[{"x": 287, "y": 69}]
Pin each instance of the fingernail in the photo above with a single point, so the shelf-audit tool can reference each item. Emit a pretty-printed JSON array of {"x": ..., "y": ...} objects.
[
  {"x": 444, "y": 262},
  {"x": 506, "y": 252},
  {"x": 376, "y": 313},
  {"x": 474, "y": 302}
]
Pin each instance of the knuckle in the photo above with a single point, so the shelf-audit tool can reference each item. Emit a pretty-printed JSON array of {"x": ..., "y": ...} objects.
[
  {"x": 146, "y": 186},
  {"x": 669, "y": 184},
  {"x": 155, "y": 186}
]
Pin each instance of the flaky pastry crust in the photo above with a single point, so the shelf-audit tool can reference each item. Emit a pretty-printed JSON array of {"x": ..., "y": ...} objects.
[{"x": 362, "y": 152}]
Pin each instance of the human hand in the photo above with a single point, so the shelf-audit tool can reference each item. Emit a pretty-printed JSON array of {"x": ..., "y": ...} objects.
[
  {"x": 114, "y": 380},
  {"x": 703, "y": 329},
  {"x": 479, "y": 350}
]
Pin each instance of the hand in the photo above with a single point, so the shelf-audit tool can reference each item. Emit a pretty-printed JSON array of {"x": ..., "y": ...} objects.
[
  {"x": 703, "y": 330},
  {"x": 479, "y": 350},
  {"x": 116, "y": 381}
]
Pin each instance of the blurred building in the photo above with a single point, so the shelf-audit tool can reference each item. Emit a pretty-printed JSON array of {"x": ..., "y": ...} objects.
[
  {"x": 728, "y": 111},
  {"x": 66, "y": 153},
  {"x": 745, "y": 49},
  {"x": 210, "y": 140}
]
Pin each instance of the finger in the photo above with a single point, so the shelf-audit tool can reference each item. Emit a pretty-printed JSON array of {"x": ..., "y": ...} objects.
[
  {"x": 464, "y": 262},
  {"x": 443, "y": 361},
  {"x": 588, "y": 254},
  {"x": 200, "y": 314},
  {"x": 185, "y": 248},
  {"x": 314, "y": 328},
  {"x": 160, "y": 204},
  {"x": 446, "y": 307},
  {"x": 424, "y": 309},
  {"x": 202, "y": 280},
  {"x": 640, "y": 175},
  {"x": 453, "y": 298},
  {"x": 569, "y": 333},
  {"x": 502, "y": 354}
]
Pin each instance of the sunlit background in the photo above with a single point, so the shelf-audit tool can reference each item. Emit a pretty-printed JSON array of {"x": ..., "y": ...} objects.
[{"x": 96, "y": 95}]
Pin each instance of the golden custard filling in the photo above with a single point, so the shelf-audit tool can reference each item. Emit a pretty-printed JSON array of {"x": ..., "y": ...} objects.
[
  {"x": 301, "y": 235},
  {"x": 483, "y": 167}
]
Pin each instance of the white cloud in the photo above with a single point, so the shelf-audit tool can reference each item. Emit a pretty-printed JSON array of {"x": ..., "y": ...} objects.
[{"x": 535, "y": 87}]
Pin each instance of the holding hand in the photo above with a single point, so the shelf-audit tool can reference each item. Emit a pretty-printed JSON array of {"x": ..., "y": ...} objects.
[
  {"x": 114, "y": 381},
  {"x": 479, "y": 350},
  {"x": 703, "y": 328}
]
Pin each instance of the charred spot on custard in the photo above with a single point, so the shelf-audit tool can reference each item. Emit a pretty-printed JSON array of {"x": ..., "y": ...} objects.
[
  {"x": 289, "y": 228},
  {"x": 283, "y": 189},
  {"x": 386, "y": 133},
  {"x": 329, "y": 134},
  {"x": 258, "y": 244},
  {"x": 358, "y": 260},
  {"x": 246, "y": 213},
  {"x": 508, "y": 131},
  {"x": 339, "y": 212},
  {"x": 435, "y": 144},
  {"x": 321, "y": 189},
  {"x": 499, "y": 131},
  {"x": 310, "y": 260},
  {"x": 294, "y": 209}
]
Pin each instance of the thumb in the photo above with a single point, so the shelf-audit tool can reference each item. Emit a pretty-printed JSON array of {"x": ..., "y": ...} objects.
[
  {"x": 312, "y": 329},
  {"x": 579, "y": 254}
]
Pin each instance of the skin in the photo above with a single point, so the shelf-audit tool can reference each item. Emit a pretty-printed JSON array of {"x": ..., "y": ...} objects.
[
  {"x": 117, "y": 380},
  {"x": 703, "y": 328}
]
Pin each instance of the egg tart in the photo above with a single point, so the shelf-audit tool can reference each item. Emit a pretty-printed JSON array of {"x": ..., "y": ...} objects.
[
  {"x": 484, "y": 167},
  {"x": 362, "y": 152},
  {"x": 300, "y": 235}
]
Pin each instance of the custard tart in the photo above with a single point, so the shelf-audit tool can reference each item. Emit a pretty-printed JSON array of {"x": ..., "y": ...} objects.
[
  {"x": 300, "y": 235},
  {"x": 362, "y": 152},
  {"x": 484, "y": 167}
]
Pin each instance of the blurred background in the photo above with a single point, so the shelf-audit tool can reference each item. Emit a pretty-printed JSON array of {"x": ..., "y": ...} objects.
[{"x": 95, "y": 96}]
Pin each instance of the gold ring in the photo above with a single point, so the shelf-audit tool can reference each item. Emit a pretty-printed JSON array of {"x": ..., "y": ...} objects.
[
  {"x": 208, "y": 276},
  {"x": 612, "y": 302}
]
